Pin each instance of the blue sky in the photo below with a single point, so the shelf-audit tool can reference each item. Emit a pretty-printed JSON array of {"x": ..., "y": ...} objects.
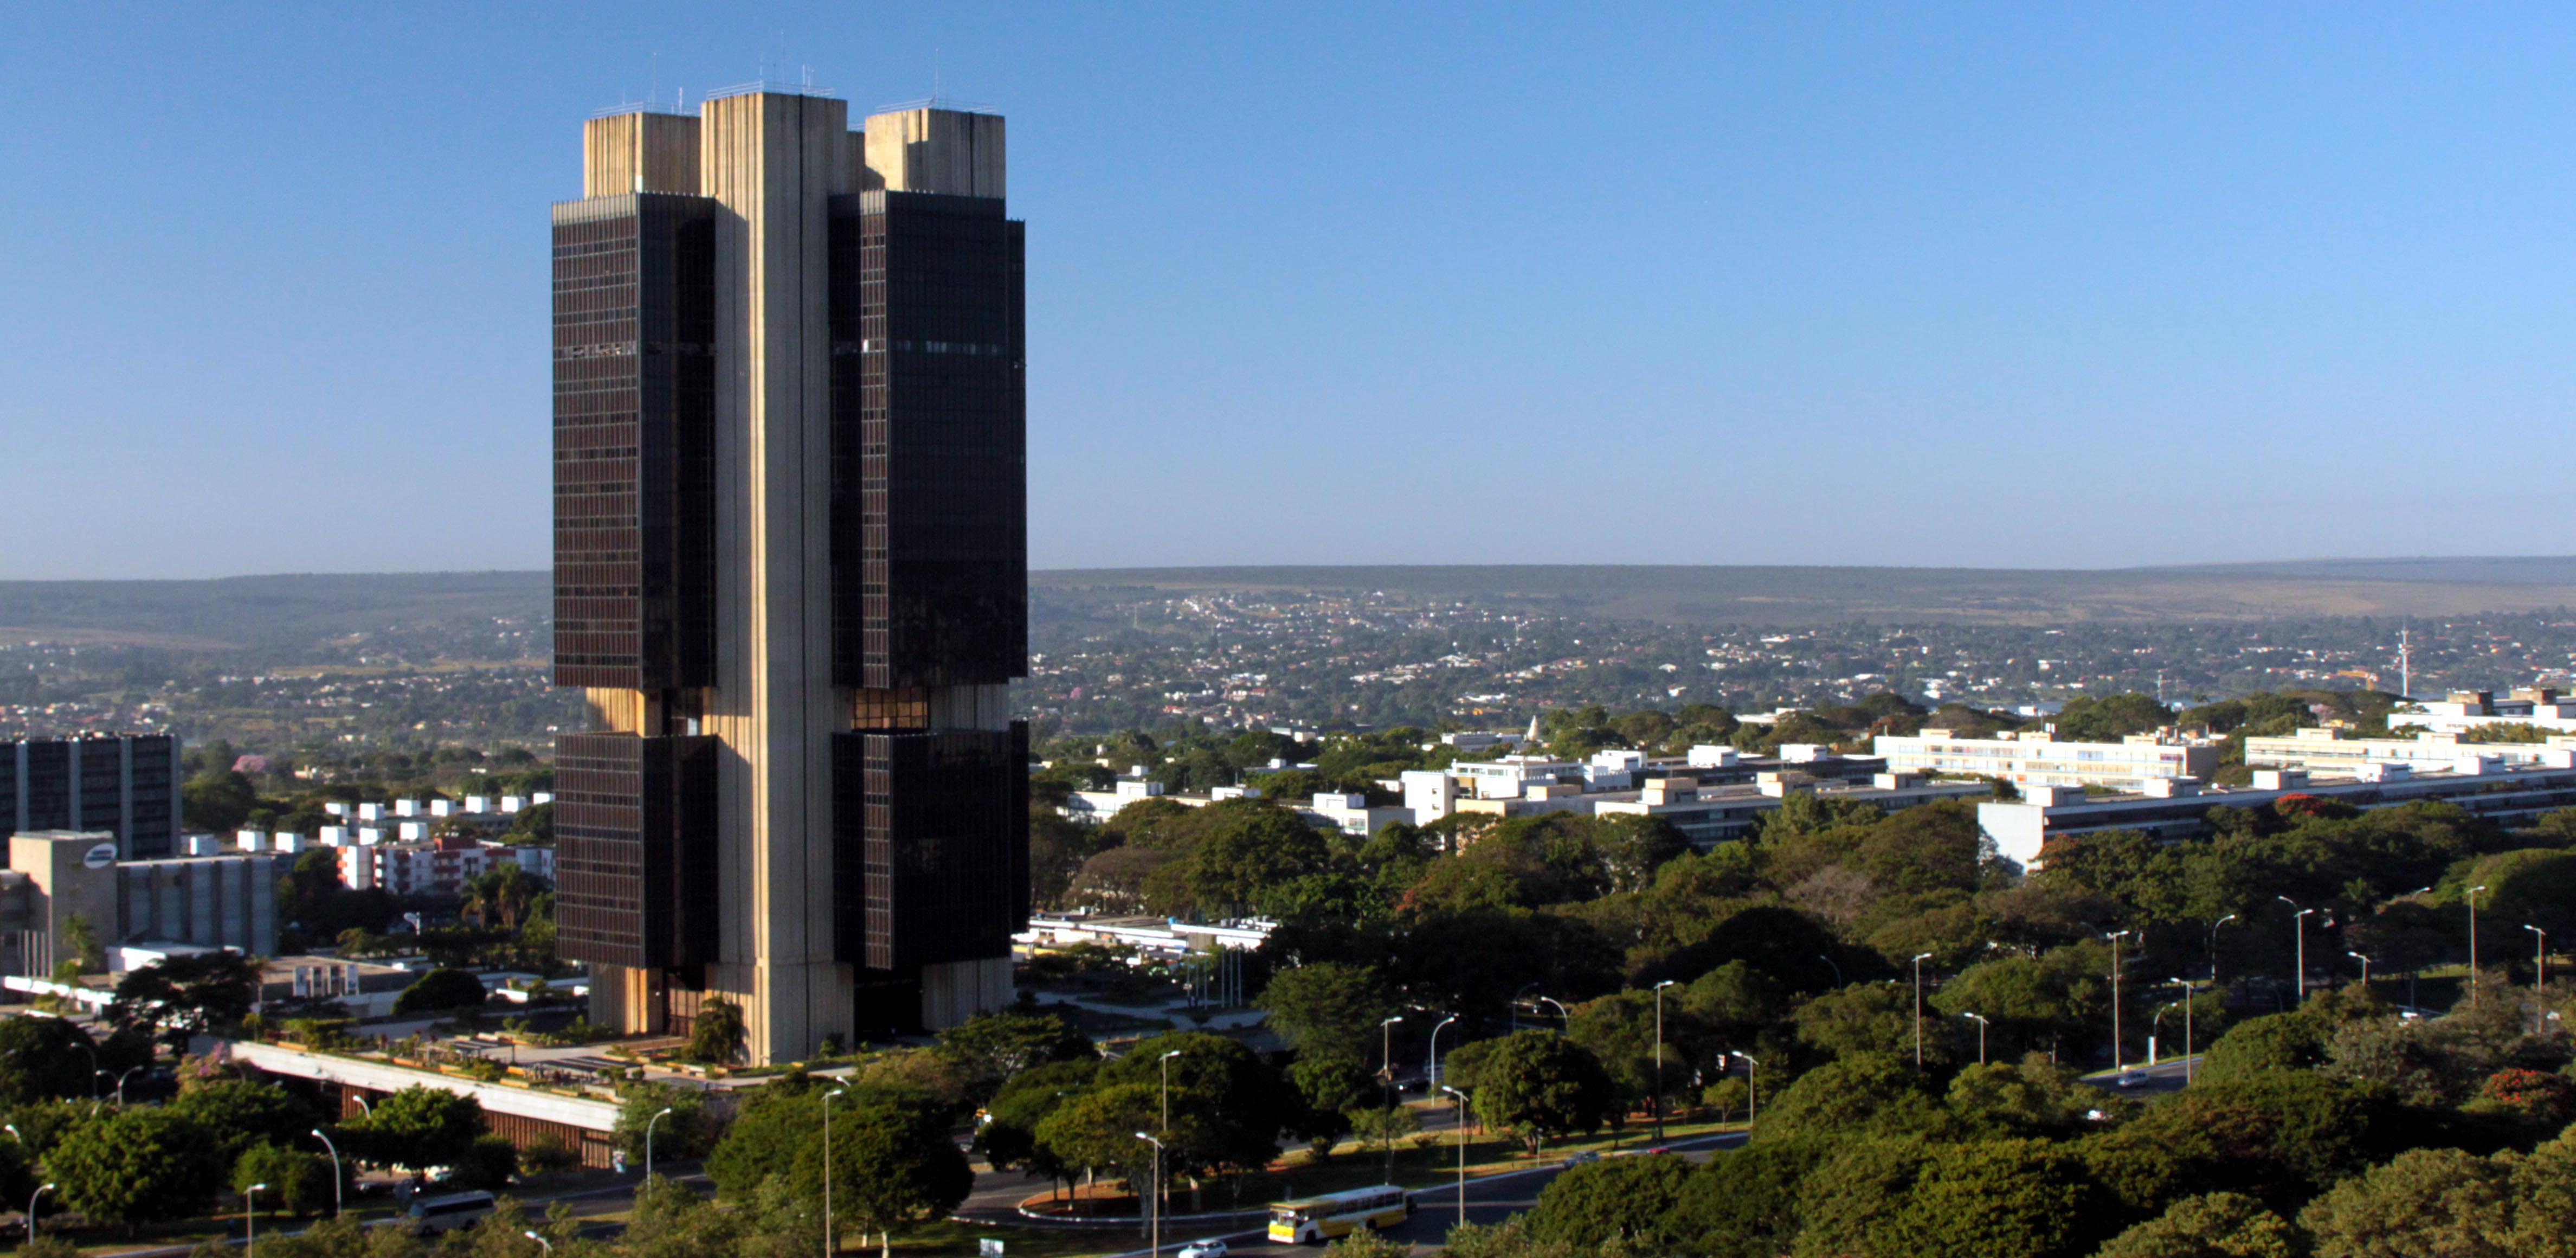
[{"x": 1959, "y": 285}]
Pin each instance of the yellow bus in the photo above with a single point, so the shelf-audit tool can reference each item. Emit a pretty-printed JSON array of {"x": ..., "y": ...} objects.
[{"x": 1314, "y": 1220}]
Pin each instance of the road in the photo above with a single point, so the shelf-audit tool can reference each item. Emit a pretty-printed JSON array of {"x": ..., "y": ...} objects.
[
  {"x": 2169, "y": 1075},
  {"x": 1489, "y": 1200}
]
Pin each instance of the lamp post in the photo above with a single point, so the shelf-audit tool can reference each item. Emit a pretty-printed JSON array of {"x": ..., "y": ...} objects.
[
  {"x": 831, "y": 1241},
  {"x": 31, "y": 1210},
  {"x": 120, "y": 1085},
  {"x": 2299, "y": 928},
  {"x": 666, "y": 1113},
  {"x": 1752, "y": 1089},
  {"x": 1918, "y": 1010},
  {"x": 250, "y": 1218},
  {"x": 2365, "y": 967},
  {"x": 1156, "y": 1205},
  {"x": 1659, "y": 1058},
  {"x": 1163, "y": 1066},
  {"x": 550, "y": 1246},
  {"x": 2539, "y": 977},
  {"x": 1564, "y": 1019},
  {"x": 1838, "y": 970},
  {"x": 2213, "y": 945},
  {"x": 2473, "y": 940},
  {"x": 1386, "y": 1053},
  {"x": 1981, "y": 1035},
  {"x": 335, "y": 1170},
  {"x": 2185, "y": 984},
  {"x": 2117, "y": 1048},
  {"x": 1432, "y": 1071},
  {"x": 1462, "y": 1149}
]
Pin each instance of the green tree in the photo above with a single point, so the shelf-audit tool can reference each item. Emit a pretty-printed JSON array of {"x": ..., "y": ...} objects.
[
  {"x": 1329, "y": 1009},
  {"x": 300, "y": 1182},
  {"x": 218, "y": 800},
  {"x": 43, "y": 1058},
  {"x": 1227, "y": 1105},
  {"x": 440, "y": 990},
  {"x": 180, "y": 997},
  {"x": 1380, "y": 1129},
  {"x": 1865, "y": 1093},
  {"x": 995, "y": 1047},
  {"x": 418, "y": 1127},
  {"x": 1539, "y": 1085},
  {"x": 1634, "y": 1200},
  {"x": 136, "y": 1166},
  {"x": 1097, "y": 1131},
  {"x": 2425, "y": 1201},
  {"x": 717, "y": 1035},
  {"x": 241, "y": 1114},
  {"x": 489, "y": 1163},
  {"x": 893, "y": 1166},
  {"x": 1009, "y": 1137},
  {"x": 688, "y": 1131},
  {"x": 672, "y": 1220},
  {"x": 2214, "y": 1225},
  {"x": 2027, "y": 1198}
]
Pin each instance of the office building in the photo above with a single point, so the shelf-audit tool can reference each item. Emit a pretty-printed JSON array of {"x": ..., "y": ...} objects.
[
  {"x": 2332, "y": 751},
  {"x": 126, "y": 785},
  {"x": 2035, "y": 758},
  {"x": 2463, "y": 711},
  {"x": 56, "y": 875},
  {"x": 791, "y": 568}
]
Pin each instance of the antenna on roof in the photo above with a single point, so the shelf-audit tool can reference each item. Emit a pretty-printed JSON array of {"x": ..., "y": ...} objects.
[{"x": 934, "y": 76}]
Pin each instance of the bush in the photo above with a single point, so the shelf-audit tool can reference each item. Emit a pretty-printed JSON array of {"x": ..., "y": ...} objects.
[{"x": 1632, "y": 1199}]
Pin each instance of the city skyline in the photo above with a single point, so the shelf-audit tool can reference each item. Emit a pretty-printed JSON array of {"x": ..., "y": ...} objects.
[{"x": 2091, "y": 265}]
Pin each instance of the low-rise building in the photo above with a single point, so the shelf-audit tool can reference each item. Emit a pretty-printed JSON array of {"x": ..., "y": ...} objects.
[
  {"x": 440, "y": 866},
  {"x": 226, "y": 901},
  {"x": 2507, "y": 794},
  {"x": 2331, "y": 751},
  {"x": 2461, "y": 711},
  {"x": 2033, "y": 758}
]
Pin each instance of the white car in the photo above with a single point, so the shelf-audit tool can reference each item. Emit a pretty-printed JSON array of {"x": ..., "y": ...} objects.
[{"x": 1203, "y": 1249}]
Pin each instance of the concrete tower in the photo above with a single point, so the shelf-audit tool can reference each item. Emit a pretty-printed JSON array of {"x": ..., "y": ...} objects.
[{"x": 791, "y": 568}]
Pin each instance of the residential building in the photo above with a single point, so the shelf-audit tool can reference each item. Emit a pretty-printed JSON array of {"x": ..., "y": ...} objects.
[
  {"x": 791, "y": 568},
  {"x": 2034, "y": 758},
  {"x": 124, "y": 784},
  {"x": 439, "y": 867},
  {"x": 1711, "y": 813}
]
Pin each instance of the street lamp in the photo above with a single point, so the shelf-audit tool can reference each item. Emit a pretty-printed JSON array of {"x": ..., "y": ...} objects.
[
  {"x": 2299, "y": 927},
  {"x": 1156, "y": 1205},
  {"x": 2365, "y": 967},
  {"x": 1164, "y": 1066},
  {"x": 250, "y": 1218},
  {"x": 31, "y": 1211},
  {"x": 1462, "y": 1149},
  {"x": 335, "y": 1170},
  {"x": 1565, "y": 1019},
  {"x": 2213, "y": 945},
  {"x": 2539, "y": 977},
  {"x": 2473, "y": 939},
  {"x": 1918, "y": 1010},
  {"x": 2116, "y": 1047},
  {"x": 666, "y": 1113},
  {"x": 831, "y": 1241},
  {"x": 1981, "y": 1035},
  {"x": 550, "y": 1247},
  {"x": 1752, "y": 1089},
  {"x": 1659, "y": 1058},
  {"x": 120, "y": 1085},
  {"x": 1838, "y": 970},
  {"x": 2187, "y": 994},
  {"x": 1432, "y": 1072}
]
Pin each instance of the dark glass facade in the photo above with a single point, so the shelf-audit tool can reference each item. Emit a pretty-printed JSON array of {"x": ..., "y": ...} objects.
[
  {"x": 634, "y": 398},
  {"x": 929, "y": 442},
  {"x": 930, "y": 845},
  {"x": 126, "y": 785},
  {"x": 635, "y": 850}
]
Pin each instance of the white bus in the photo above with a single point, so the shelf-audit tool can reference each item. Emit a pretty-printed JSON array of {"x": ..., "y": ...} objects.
[{"x": 1314, "y": 1220}]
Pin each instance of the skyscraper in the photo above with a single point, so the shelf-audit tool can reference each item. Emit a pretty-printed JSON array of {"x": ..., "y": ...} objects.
[{"x": 791, "y": 568}]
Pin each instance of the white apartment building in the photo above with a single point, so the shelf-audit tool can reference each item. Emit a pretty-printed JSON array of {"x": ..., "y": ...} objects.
[
  {"x": 2038, "y": 759},
  {"x": 438, "y": 867}
]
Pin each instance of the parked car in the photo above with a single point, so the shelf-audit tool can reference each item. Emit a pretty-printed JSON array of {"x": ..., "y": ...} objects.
[{"x": 1204, "y": 1249}]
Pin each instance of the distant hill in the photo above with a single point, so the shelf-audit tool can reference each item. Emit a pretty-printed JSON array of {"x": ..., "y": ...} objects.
[
  {"x": 1797, "y": 595},
  {"x": 289, "y": 610},
  {"x": 264, "y": 612}
]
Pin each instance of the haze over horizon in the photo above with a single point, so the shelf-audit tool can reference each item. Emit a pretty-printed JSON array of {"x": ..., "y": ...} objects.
[{"x": 1343, "y": 286}]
